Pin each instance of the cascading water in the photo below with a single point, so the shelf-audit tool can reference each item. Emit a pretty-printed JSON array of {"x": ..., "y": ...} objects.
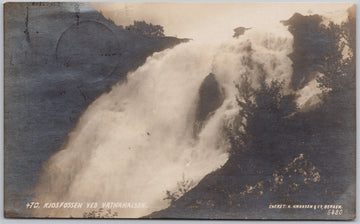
[{"x": 137, "y": 141}]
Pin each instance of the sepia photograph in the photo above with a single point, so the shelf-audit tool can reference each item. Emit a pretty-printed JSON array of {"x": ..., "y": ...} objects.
[{"x": 180, "y": 110}]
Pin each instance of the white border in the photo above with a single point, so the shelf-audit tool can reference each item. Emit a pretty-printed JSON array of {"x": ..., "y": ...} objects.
[{"x": 137, "y": 221}]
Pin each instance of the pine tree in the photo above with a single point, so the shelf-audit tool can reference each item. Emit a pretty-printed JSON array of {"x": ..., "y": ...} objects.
[{"x": 259, "y": 128}]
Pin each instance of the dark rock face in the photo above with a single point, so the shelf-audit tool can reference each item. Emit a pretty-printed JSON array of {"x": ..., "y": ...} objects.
[
  {"x": 58, "y": 60},
  {"x": 310, "y": 45},
  {"x": 210, "y": 98},
  {"x": 240, "y": 31}
]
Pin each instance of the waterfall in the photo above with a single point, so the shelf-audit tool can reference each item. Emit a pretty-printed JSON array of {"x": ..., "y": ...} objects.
[{"x": 137, "y": 141}]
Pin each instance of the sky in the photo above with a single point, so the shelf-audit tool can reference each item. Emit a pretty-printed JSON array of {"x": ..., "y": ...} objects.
[{"x": 200, "y": 20}]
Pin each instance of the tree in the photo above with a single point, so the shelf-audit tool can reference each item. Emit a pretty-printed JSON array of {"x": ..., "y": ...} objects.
[
  {"x": 333, "y": 64},
  {"x": 333, "y": 141},
  {"x": 145, "y": 29},
  {"x": 338, "y": 69},
  {"x": 261, "y": 124},
  {"x": 238, "y": 135},
  {"x": 183, "y": 186},
  {"x": 338, "y": 64}
]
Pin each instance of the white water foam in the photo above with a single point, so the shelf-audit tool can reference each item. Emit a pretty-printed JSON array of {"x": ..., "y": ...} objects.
[{"x": 136, "y": 142}]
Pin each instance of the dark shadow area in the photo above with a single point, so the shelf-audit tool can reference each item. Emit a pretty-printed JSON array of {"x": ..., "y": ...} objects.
[{"x": 57, "y": 62}]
